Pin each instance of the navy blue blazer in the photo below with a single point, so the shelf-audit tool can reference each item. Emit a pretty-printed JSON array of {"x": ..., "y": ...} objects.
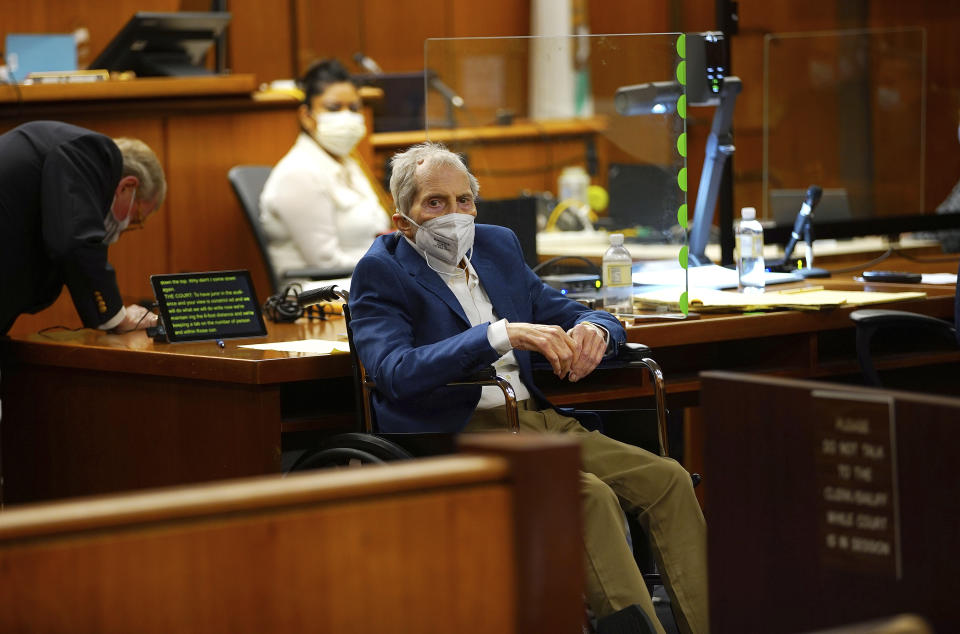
[{"x": 413, "y": 336}]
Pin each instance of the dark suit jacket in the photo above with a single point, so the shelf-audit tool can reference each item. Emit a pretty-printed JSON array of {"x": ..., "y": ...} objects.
[
  {"x": 57, "y": 182},
  {"x": 413, "y": 337}
]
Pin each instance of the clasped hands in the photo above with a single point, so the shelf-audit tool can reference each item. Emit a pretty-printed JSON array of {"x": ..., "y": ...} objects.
[{"x": 573, "y": 353}]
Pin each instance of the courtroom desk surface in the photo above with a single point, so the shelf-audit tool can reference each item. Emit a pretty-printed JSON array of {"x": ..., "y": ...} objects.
[
  {"x": 147, "y": 87},
  {"x": 136, "y": 353},
  {"x": 522, "y": 129},
  {"x": 817, "y": 344}
]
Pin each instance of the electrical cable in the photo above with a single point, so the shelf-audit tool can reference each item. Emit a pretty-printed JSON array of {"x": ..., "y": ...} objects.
[
  {"x": 285, "y": 307},
  {"x": 865, "y": 265}
]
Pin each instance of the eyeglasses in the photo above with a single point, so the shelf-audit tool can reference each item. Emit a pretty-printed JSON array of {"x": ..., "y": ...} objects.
[{"x": 137, "y": 216}]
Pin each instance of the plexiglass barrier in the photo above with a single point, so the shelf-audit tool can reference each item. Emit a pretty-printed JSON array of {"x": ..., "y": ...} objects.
[
  {"x": 844, "y": 110},
  {"x": 538, "y": 117}
]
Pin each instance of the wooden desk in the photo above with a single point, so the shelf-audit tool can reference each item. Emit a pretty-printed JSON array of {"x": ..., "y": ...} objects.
[
  {"x": 86, "y": 412},
  {"x": 76, "y": 399},
  {"x": 786, "y": 343}
]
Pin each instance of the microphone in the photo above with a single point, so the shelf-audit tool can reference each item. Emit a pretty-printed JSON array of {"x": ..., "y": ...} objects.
[
  {"x": 367, "y": 64},
  {"x": 437, "y": 84},
  {"x": 321, "y": 294},
  {"x": 805, "y": 216}
]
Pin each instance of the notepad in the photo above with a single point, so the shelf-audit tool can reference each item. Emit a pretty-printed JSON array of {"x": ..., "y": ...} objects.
[{"x": 710, "y": 300}]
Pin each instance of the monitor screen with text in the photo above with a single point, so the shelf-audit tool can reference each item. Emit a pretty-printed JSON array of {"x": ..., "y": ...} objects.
[{"x": 209, "y": 305}]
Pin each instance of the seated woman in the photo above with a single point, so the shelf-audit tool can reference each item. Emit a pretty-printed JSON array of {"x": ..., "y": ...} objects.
[{"x": 318, "y": 208}]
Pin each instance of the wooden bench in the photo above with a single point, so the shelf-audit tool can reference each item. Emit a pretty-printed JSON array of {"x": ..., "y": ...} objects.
[{"x": 488, "y": 541}]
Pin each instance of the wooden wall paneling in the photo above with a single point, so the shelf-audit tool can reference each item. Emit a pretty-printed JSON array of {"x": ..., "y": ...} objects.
[
  {"x": 328, "y": 28},
  {"x": 260, "y": 39},
  {"x": 493, "y": 18},
  {"x": 208, "y": 230},
  {"x": 639, "y": 16},
  {"x": 394, "y": 30},
  {"x": 504, "y": 171}
]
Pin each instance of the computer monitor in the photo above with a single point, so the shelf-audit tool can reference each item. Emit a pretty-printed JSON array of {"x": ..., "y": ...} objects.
[
  {"x": 401, "y": 108},
  {"x": 163, "y": 44},
  {"x": 518, "y": 215}
]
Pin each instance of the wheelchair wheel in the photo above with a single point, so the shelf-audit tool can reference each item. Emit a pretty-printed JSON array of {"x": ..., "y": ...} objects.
[{"x": 352, "y": 449}]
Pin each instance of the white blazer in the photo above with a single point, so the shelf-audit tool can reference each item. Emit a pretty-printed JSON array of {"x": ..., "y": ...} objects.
[{"x": 317, "y": 211}]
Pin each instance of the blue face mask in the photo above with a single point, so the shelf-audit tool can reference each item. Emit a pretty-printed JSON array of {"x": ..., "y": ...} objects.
[{"x": 113, "y": 226}]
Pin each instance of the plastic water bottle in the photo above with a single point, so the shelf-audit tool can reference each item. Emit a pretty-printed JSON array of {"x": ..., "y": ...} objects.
[
  {"x": 617, "y": 277},
  {"x": 750, "y": 265}
]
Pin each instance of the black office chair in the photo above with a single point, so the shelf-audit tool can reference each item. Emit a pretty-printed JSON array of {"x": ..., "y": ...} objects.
[
  {"x": 871, "y": 321},
  {"x": 248, "y": 182}
]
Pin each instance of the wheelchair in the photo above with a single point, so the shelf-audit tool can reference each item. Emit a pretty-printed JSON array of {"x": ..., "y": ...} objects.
[{"x": 368, "y": 445}]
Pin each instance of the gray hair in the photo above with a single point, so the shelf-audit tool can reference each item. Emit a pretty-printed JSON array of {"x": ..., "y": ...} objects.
[
  {"x": 403, "y": 181},
  {"x": 140, "y": 161}
]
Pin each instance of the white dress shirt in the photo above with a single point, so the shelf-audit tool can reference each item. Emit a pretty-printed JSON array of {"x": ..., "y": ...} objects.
[{"x": 466, "y": 287}]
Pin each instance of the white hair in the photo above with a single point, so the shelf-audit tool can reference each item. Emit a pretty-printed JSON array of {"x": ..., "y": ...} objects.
[
  {"x": 403, "y": 181},
  {"x": 140, "y": 161}
]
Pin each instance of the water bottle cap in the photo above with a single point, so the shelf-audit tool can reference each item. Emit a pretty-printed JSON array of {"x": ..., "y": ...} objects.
[
  {"x": 616, "y": 239},
  {"x": 748, "y": 213}
]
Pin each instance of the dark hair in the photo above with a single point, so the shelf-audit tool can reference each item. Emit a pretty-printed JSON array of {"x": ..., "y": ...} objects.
[{"x": 320, "y": 75}]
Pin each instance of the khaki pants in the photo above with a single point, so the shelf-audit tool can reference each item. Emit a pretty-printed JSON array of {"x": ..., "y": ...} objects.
[{"x": 657, "y": 491}]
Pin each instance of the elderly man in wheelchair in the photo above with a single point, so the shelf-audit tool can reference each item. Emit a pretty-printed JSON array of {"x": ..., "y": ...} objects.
[{"x": 442, "y": 298}]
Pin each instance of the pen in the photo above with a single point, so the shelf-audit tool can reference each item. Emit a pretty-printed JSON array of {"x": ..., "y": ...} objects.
[
  {"x": 220, "y": 343},
  {"x": 806, "y": 289}
]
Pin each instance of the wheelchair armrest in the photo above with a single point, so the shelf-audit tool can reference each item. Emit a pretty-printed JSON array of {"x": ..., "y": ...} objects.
[
  {"x": 488, "y": 376},
  {"x": 485, "y": 374},
  {"x": 627, "y": 354},
  {"x": 317, "y": 273}
]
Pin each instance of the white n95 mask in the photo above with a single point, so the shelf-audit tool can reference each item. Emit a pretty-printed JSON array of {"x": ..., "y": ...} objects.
[
  {"x": 446, "y": 238},
  {"x": 113, "y": 226},
  {"x": 339, "y": 132}
]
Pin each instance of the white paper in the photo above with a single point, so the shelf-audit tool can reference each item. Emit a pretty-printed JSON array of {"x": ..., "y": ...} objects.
[
  {"x": 709, "y": 276},
  {"x": 314, "y": 346},
  {"x": 938, "y": 278}
]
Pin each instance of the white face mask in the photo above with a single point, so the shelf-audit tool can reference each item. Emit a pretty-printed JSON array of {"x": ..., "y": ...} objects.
[
  {"x": 339, "y": 132},
  {"x": 446, "y": 238},
  {"x": 113, "y": 226}
]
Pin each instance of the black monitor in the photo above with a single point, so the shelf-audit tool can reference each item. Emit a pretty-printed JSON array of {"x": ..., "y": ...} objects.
[
  {"x": 163, "y": 44},
  {"x": 518, "y": 215},
  {"x": 401, "y": 108}
]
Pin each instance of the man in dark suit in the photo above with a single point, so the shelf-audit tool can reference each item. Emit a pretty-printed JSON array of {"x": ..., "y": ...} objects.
[
  {"x": 66, "y": 193},
  {"x": 442, "y": 298}
]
